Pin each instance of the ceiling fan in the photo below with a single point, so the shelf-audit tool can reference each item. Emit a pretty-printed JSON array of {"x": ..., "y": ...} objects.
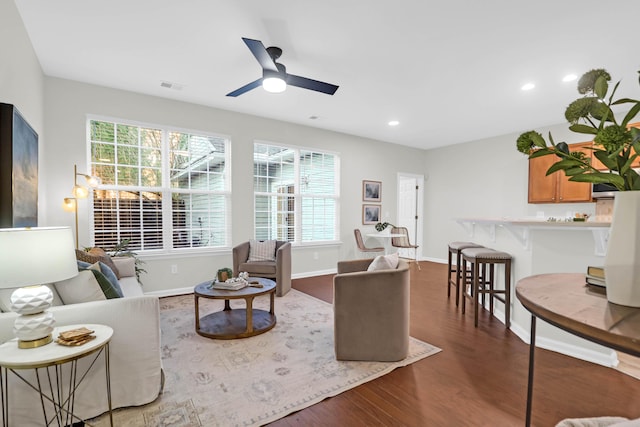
[{"x": 274, "y": 75}]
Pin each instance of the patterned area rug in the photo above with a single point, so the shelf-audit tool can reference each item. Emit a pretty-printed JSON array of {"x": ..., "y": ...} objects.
[{"x": 251, "y": 381}]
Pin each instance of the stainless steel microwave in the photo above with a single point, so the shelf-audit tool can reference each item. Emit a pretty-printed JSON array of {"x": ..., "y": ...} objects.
[{"x": 603, "y": 191}]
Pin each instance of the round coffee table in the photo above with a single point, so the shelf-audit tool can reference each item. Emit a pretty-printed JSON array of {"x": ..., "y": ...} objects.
[{"x": 239, "y": 322}]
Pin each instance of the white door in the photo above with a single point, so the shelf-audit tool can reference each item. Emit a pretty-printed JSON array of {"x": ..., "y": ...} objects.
[{"x": 410, "y": 210}]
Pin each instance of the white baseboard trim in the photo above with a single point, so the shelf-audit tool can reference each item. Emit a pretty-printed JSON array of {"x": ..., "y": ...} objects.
[
  {"x": 437, "y": 260},
  {"x": 313, "y": 273},
  {"x": 189, "y": 289},
  {"x": 171, "y": 292},
  {"x": 609, "y": 360}
]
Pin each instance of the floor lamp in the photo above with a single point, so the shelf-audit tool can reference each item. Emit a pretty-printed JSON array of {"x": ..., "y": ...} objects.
[
  {"x": 71, "y": 205},
  {"x": 79, "y": 192}
]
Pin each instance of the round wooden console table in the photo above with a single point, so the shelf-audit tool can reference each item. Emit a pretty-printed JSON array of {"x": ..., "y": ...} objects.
[{"x": 565, "y": 301}]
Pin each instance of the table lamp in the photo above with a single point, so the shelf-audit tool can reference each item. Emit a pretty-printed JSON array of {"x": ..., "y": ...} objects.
[{"x": 30, "y": 258}]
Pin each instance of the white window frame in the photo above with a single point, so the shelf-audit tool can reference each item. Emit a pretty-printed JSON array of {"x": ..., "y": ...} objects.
[
  {"x": 165, "y": 188},
  {"x": 298, "y": 195}
]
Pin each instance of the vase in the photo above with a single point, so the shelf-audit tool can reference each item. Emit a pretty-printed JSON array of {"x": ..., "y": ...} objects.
[{"x": 622, "y": 262}]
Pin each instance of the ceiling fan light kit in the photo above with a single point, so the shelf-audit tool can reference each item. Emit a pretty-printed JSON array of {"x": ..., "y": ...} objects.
[
  {"x": 274, "y": 75},
  {"x": 273, "y": 83}
]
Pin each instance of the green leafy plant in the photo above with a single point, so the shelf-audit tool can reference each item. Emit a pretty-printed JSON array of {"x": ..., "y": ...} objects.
[
  {"x": 382, "y": 225},
  {"x": 614, "y": 143}
]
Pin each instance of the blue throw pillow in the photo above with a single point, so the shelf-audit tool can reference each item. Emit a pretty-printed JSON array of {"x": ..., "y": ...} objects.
[{"x": 106, "y": 279}]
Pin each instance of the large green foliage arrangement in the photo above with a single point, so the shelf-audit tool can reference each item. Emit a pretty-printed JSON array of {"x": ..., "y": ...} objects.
[{"x": 615, "y": 145}]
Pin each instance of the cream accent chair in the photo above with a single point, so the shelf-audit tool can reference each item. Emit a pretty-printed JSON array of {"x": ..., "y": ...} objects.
[
  {"x": 278, "y": 270},
  {"x": 371, "y": 312}
]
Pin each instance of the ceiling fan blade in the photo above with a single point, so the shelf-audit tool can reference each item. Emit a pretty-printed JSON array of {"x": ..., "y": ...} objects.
[
  {"x": 245, "y": 88},
  {"x": 260, "y": 52},
  {"x": 316, "y": 85}
]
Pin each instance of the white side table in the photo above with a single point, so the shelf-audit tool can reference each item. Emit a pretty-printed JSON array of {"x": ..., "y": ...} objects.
[{"x": 50, "y": 359}]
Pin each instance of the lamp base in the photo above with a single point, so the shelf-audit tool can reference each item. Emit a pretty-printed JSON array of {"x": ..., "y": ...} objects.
[{"x": 35, "y": 343}]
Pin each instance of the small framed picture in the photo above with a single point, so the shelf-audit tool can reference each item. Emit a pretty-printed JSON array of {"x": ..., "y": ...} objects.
[
  {"x": 370, "y": 214},
  {"x": 371, "y": 191}
]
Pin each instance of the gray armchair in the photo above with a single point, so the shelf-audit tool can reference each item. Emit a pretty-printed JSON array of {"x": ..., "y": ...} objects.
[
  {"x": 371, "y": 312},
  {"x": 278, "y": 270}
]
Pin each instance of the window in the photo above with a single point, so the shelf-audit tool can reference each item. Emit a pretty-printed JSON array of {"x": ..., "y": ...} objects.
[
  {"x": 296, "y": 194},
  {"x": 161, "y": 188}
]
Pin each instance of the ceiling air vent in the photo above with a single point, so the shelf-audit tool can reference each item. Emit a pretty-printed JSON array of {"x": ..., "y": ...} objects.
[{"x": 170, "y": 85}]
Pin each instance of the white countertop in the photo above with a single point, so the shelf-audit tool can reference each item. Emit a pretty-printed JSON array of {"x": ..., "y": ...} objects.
[
  {"x": 535, "y": 222},
  {"x": 521, "y": 228}
]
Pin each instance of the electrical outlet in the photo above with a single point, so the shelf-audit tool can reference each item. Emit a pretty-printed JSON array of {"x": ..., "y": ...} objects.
[{"x": 174, "y": 269}]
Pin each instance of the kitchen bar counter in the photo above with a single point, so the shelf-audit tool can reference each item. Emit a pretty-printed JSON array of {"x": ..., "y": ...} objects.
[{"x": 520, "y": 229}]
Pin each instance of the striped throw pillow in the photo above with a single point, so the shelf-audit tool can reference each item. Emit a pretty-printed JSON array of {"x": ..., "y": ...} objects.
[{"x": 262, "y": 250}]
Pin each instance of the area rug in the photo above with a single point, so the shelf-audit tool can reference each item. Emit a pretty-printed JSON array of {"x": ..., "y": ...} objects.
[{"x": 251, "y": 381}]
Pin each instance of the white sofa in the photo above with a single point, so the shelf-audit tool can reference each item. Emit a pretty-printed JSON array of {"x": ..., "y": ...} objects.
[{"x": 135, "y": 357}]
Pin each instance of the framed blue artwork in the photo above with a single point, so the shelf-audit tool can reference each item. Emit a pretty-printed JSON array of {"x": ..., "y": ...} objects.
[{"x": 18, "y": 170}]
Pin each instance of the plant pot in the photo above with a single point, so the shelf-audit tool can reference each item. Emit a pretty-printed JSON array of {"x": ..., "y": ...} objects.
[{"x": 622, "y": 262}]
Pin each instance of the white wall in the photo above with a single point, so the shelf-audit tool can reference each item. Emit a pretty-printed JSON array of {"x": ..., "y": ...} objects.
[{"x": 67, "y": 104}]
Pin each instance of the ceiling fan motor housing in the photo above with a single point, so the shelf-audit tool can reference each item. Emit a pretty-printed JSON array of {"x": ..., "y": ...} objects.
[{"x": 281, "y": 73}]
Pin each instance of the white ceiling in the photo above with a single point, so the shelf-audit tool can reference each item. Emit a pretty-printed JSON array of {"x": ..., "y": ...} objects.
[{"x": 449, "y": 71}]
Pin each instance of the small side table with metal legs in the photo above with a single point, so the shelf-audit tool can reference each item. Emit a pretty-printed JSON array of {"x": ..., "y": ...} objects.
[{"x": 55, "y": 385}]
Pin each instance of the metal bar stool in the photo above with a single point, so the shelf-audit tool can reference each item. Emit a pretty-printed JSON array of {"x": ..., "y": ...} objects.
[
  {"x": 455, "y": 248},
  {"x": 483, "y": 259}
]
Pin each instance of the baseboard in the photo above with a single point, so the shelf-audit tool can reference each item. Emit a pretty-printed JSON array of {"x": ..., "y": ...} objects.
[
  {"x": 189, "y": 289},
  {"x": 436, "y": 260},
  {"x": 313, "y": 273},
  {"x": 609, "y": 360},
  {"x": 171, "y": 292}
]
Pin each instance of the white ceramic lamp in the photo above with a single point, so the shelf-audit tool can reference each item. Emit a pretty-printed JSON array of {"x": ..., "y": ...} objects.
[{"x": 32, "y": 257}]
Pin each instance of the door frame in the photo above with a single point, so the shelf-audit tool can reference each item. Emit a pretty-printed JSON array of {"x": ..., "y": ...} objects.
[{"x": 417, "y": 239}]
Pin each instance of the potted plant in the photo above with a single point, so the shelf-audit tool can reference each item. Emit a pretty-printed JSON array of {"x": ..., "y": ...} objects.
[
  {"x": 381, "y": 226},
  {"x": 616, "y": 146}
]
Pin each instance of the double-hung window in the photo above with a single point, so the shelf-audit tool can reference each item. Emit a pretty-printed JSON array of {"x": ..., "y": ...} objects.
[
  {"x": 162, "y": 188},
  {"x": 296, "y": 193}
]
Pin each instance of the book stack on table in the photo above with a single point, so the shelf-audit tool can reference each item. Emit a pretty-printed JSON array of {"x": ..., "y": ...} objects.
[{"x": 595, "y": 276}]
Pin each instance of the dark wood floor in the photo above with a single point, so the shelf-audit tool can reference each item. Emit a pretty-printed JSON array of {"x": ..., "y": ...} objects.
[{"x": 479, "y": 379}]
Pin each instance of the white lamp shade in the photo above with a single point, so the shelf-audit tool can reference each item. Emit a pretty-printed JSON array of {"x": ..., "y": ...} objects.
[
  {"x": 36, "y": 256},
  {"x": 80, "y": 192}
]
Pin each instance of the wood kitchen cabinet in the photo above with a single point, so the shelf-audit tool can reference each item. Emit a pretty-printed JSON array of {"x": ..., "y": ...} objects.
[{"x": 556, "y": 188}]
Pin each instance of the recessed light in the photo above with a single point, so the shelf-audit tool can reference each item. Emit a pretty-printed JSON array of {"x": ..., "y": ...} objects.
[
  {"x": 569, "y": 78},
  {"x": 313, "y": 117},
  {"x": 393, "y": 123},
  {"x": 528, "y": 86}
]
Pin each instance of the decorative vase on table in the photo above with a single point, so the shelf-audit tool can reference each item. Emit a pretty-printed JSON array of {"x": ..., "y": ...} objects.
[{"x": 622, "y": 262}]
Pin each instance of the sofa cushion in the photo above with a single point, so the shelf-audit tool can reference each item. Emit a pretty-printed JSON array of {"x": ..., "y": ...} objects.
[
  {"x": 126, "y": 265},
  {"x": 82, "y": 288},
  {"x": 259, "y": 267},
  {"x": 262, "y": 250},
  {"x": 108, "y": 274},
  {"x": 95, "y": 255},
  {"x": 5, "y": 298},
  {"x": 384, "y": 262}
]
